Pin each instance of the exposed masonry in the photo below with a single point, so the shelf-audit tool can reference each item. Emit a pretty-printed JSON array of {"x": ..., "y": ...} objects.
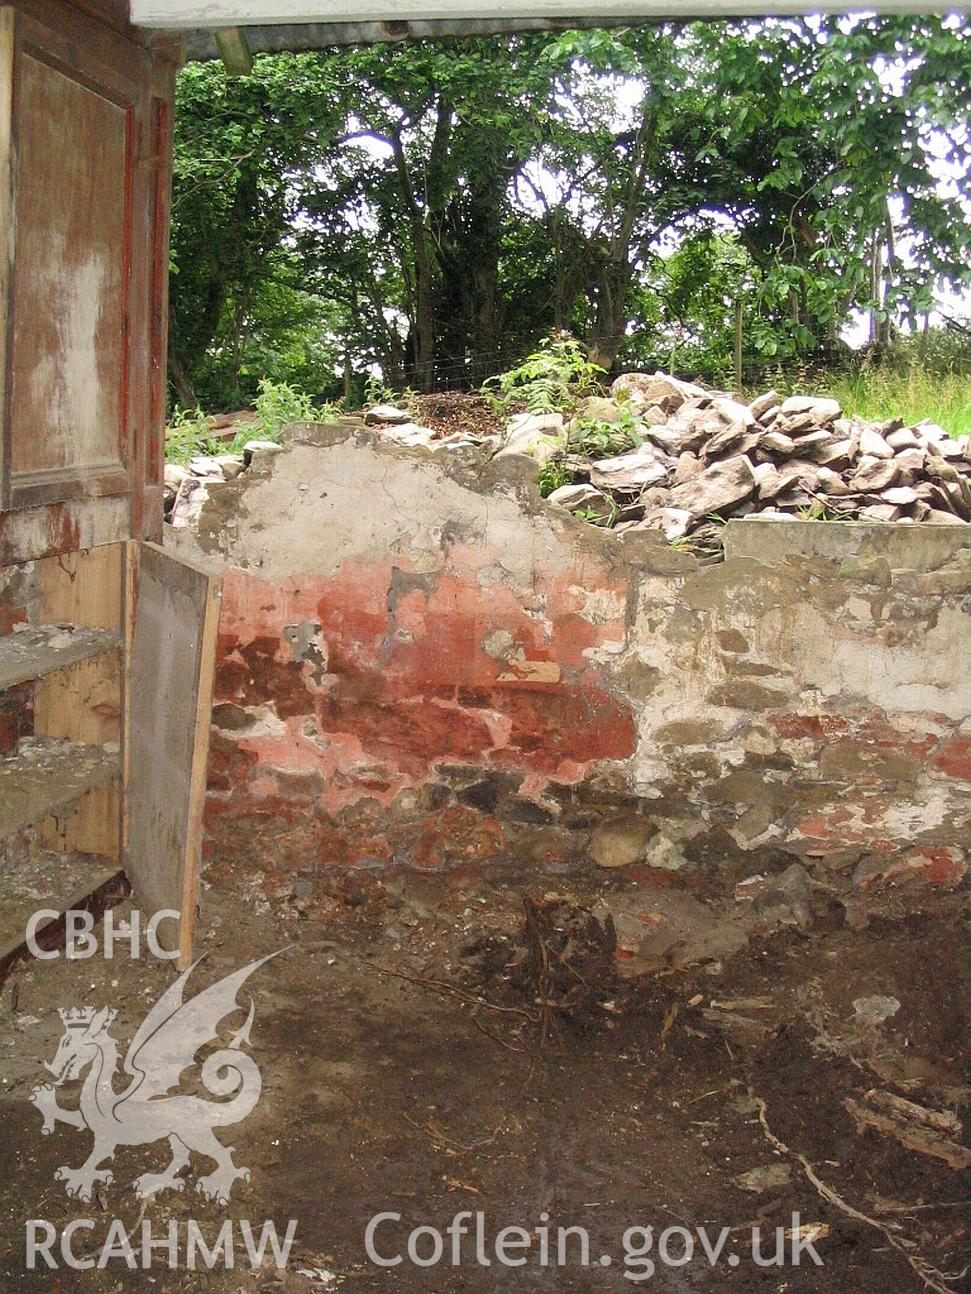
[{"x": 421, "y": 662}]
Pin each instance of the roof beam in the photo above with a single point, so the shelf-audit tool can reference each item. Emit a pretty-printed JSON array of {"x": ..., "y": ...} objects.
[
  {"x": 200, "y": 46},
  {"x": 234, "y": 50},
  {"x": 193, "y": 14}
]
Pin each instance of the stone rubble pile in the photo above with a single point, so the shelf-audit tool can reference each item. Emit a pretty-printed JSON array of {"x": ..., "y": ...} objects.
[
  {"x": 701, "y": 457},
  {"x": 705, "y": 457}
]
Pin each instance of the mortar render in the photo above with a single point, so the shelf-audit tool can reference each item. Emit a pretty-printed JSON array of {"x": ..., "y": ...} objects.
[{"x": 422, "y": 663}]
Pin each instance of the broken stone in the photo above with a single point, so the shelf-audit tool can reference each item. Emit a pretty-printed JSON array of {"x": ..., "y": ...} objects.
[
  {"x": 230, "y": 464},
  {"x": 675, "y": 437},
  {"x": 723, "y": 441},
  {"x": 774, "y": 481},
  {"x": 764, "y": 404},
  {"x": 769, "y": 1177},
  {"x": 189, "y": 501},
  {"x": 621, "y": 842},
  {"x": 643, "y": 466},
  {"x": 262, "y": 447},
  {"x": 948, "y": 449},
  {"x": 928, "y": 431},
  {"x": 688, "y": 468},
  {"x": 673, "y": 523},
  {"x": 875, "y": 476},
  {"x": 659, "y": 927},
  {"x": 733, "y": 411},
  {"x": 806, "y": 444},
  {"x": 540, "y": 436},
  {"x": 599, "y": 408},
  {"x": 903, "y": 439},
  {"x": 786, "y": 900},
  {"x": 717, "y": 488},
  {"x": 883, "y": 512},
  {"x": 831, "y": 482},
  {"x": 900, "y": 494},
  {"x": 583, "y": 498},
  {"x": 821, "y": 410},
  {"x": 938, "y": 469},
  {"x": 776, "y": 443},
  {"x": 876, "y": 1009},
  {"x": 937, "y": 517},
  {"x": 207, "y": 468},
  {"x": 660, "y": 389},
  {"x": 386, "y": 414},
  {"x": 412, "y": 436},
  {"x": 871, "y": 442}
]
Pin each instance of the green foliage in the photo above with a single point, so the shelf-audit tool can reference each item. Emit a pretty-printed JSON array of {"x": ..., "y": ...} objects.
[
  {"x": 550, "y": 380},
  {"x": 912, "y": 393},
  {"x": 277, "y": 405},
  {"x": 554, "y": 473},
  {"x": 596, "y": 438},
  {"x": 430, "y": 211},
  {"x": 187, "y": 435}
]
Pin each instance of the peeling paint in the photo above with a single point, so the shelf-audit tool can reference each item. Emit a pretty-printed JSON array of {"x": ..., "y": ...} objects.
[{"x": 439, "y": 667}]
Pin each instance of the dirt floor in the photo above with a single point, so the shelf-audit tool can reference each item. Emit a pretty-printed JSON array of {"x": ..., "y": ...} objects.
[{"x": 426, "y": 1050}]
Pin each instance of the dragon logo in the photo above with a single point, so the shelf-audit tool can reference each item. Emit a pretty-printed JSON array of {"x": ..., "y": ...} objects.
[{"x": 164, "y": 1046}]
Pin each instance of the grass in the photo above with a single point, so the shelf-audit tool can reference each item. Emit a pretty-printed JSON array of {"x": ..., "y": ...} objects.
[{"x": 913, "y": 394}]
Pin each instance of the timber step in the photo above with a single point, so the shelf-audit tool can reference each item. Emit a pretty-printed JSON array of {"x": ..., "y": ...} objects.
[
  {"x": 35, "y": 650},
  {"x": 46, "y": 776},
  {"x": 52, "y": 883}
]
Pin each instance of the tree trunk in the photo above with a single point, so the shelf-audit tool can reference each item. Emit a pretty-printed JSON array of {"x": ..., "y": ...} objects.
[
  {"x": 185, "y": 395},
  {"x": 738, "y": 345}
]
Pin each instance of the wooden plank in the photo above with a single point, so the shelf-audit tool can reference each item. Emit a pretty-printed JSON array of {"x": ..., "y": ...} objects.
[
  {"x": 187, "y": 14},
  {"x": 68, "y": 425},
  {"x": 31, "y": 533},
  {"x": 61, "y": 884},
  {"x": 7, "y": 205},
  {"x": 85, "y": 171},
  {"x": 171, "y": 668},
  {"x": 234, "y": 51},
  {"x": 92, "y": 826},
  {"x": 84, "y": 703},
  {"x": 46, "y": 778},
  {"x": 33, "y": 651},
  {"x": 83, "y": 588}
]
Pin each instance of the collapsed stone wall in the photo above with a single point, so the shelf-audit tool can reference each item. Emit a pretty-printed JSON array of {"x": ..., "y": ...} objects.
[{"x": 422, "y": 663}]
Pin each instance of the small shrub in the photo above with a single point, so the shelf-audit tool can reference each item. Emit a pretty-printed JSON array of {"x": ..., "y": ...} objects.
[
  {"x": 187, "y": 435},
  {"x": 553, "y": 474},
  {"x": 277, "y": 405},
  {"x": 595, "y": 438},
  {"x": 551, "y": 380}
]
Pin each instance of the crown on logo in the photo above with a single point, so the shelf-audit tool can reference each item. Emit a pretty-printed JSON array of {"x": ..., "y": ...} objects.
[{"x": 77, "y": 1017}]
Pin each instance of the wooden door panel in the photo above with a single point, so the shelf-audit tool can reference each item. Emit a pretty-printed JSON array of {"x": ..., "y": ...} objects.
[
  {"x": 171, "y": 663},
  {"x": 69, "y": 355},
  {"x": 85, "y": 163}
]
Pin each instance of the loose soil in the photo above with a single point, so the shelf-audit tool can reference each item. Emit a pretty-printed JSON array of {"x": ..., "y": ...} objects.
[{"x": 390, "y": 1087}]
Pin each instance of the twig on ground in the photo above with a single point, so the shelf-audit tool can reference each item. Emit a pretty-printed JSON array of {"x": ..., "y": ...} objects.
[
  {"x": 441, "y": 987},
  {"x": 925, "y": 1271}
]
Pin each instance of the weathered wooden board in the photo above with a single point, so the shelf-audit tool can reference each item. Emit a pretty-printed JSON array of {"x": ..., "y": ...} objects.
[
  {"x": 60, "y": 882},
  {"x": 46, "y": 777},
  {"x": 37, "y": 650},
  {"x": 84, "y": 702},
  {"x": 170, "y": 696},
  {"x": 233, "y": 13},
  {"x": 85, "y": 147},
  {"x": 69, "y": 363}
]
